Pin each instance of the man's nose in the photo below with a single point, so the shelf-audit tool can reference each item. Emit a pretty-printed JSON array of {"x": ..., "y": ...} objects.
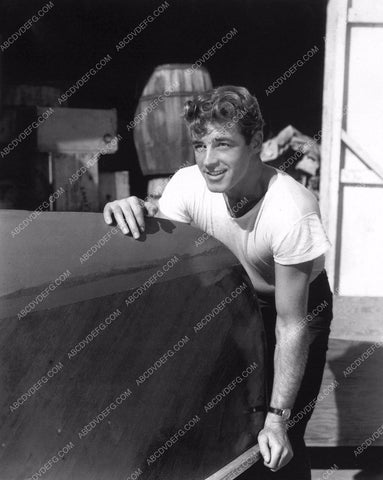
[{"x": 210, "y": 157}]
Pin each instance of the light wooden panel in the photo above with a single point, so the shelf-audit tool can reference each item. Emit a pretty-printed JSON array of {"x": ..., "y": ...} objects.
[
  {"x": 364, "y": 93},
  {"x": 360, "y": 264},
  {"x": 351, "y": 198},
  {"x": 352, "y": 168},
  {"x": 70, "y": 130},
  {"x": 366, "y": 11},
  {"x": 361, "y": 260}
]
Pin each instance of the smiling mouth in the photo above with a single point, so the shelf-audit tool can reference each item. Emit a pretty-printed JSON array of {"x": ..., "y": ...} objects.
[{"x": 216, "y": 173}]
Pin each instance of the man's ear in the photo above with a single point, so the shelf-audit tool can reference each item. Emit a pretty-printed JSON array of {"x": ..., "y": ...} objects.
[{"x": 257, "y": 141}]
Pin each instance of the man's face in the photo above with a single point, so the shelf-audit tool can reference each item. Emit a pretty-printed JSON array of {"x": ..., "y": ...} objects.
[{"x": 223, "y": 158}]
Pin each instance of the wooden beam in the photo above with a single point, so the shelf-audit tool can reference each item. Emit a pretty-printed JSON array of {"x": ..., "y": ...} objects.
[
  {"x": 365, "y": 16},
  {"x": 359, "y": 177},
  {"x": 364, "y": 156},
  {"x": 332, "y": 119}
]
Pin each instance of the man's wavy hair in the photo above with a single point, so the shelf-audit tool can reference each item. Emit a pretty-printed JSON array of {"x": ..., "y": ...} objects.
[{"x": 227, "y": 105}]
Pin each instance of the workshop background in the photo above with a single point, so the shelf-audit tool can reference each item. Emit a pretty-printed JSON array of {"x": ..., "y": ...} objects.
[
  {"x": 282, "y": 52},
  {"x": 74, "y": 35}
]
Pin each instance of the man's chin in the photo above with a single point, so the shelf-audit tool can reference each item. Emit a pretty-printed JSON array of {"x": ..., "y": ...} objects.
[{"x": 216, "y": 188}]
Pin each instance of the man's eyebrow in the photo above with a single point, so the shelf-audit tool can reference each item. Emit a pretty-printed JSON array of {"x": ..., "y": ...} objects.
[
  {"x": 223, "y": 139},
  {"x": 194, "y": 142}
]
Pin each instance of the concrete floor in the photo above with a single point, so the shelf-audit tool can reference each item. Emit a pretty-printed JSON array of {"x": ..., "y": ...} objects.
[
  {"x": 336, "y": 475},
  {"x": 345, "y": 475},
  {"x": 369, "y": 466}
]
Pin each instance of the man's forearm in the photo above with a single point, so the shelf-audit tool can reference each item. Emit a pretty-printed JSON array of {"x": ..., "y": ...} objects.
[{"x": 289, "y": 362}]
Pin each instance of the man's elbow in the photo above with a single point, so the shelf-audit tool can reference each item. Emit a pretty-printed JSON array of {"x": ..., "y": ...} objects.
[{"x": 291, "y": 330}]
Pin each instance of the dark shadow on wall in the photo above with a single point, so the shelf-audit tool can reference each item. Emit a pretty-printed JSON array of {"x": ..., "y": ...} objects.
[
  {"x": 370, "y": 462},
  {"x": 359, "y": 407}
]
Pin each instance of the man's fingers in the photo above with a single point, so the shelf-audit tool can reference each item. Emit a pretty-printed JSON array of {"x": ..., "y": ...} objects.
[
  {"x": 286, "y": 456},
  {"x": 120, "y": 219},
  {"x": 130, "y": 220},
  {"x": 151, "y": 209},
  {"x": 275, "y": 447},
  {"x": 264, "y": 448},
  {"x": 108, "y": 214},
  {"x": 129, "y": 214},
  {"x": 275, "y": 455},
  {"x": 137, "y": 208}
]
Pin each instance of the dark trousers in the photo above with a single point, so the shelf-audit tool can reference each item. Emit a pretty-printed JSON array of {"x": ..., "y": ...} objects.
[{"x": 320, "y": 309}]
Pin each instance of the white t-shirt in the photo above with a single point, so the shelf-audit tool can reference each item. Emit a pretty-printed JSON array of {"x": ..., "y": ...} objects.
[{"x": 283, "y": 227}]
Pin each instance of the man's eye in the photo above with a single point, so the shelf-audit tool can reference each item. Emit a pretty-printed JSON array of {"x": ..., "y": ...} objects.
[
  {"x": 198, "y": 148},
  {"x": 223, "y": 144}
]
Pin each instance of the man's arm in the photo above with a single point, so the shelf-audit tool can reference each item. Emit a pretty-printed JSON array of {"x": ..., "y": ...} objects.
[{"x": 291, "y": 295}]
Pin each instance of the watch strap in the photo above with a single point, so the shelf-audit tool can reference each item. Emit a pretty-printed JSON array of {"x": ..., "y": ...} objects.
[
  {"x": 256, "y": 409},
  {"x": 285, "y": 413},
  {"x": 277, "y": 411}
]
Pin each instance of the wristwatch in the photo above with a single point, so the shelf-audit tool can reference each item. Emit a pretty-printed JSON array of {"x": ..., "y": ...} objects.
[{"x": 285, "y": 413}]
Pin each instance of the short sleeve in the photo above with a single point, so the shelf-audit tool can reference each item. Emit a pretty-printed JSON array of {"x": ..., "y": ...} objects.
[
  {"x": 306, "y": 240},
  {"x": 173, "y": 202}
]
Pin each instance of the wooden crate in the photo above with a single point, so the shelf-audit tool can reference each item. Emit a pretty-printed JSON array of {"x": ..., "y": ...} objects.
[
  {"x": 77, "y": 130},
  {"x": 74, "y": 139},
  {"x": 61, "y": 153},
  {"x": 113, "y": 186}
]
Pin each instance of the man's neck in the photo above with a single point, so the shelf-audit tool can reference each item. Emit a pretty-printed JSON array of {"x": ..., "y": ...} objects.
[{"x": 252, "y": 193}]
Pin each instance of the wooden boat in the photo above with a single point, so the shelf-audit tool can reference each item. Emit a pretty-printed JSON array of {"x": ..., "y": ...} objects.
[{"x": 120, "y": 358}]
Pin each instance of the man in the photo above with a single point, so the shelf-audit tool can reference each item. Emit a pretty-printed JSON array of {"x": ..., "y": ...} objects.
[{"x": 272, "y": 224}]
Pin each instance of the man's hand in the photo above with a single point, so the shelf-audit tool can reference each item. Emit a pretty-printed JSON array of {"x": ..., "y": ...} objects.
[
  {"x": 274, "y": 444},
  {"x": 129, "y": 214}
]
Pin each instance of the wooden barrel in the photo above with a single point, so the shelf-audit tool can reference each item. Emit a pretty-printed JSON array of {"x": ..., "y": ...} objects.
[
  {"x": 184, "y": 356},
  {"x": 160, "y": 135}
]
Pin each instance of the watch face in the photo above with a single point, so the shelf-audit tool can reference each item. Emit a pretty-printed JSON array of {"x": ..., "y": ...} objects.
[{"x": 286, "y": 413}]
